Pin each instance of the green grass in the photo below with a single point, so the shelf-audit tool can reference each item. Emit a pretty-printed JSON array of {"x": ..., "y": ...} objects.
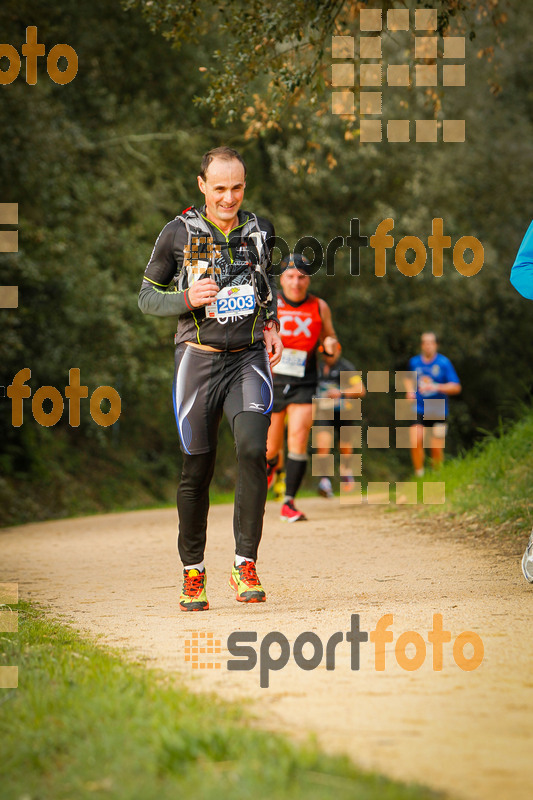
[
  {"x": 84, "y": 724},
  {"x": 493, "y": 481}
]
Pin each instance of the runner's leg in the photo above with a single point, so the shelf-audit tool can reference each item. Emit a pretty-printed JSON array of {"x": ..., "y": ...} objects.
[
  {"x": 417, "y": 448},
  {"x": 300, "y": 419},
  {"x": 197, "y": 410},
  {"x": 247, "y": 406},
  {"x": 193, "y": 506},
  {"x": 250, "y": 432},
  {"x": 438, "y": 440},
  {"x": 275, "y": 435},
  {"x": 323, "y": 443}
]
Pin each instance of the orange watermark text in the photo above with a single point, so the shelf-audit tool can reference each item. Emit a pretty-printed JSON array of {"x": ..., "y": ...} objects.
[
  {"x": 74, "y": 392},
  {"x": 31, "y": 51}
]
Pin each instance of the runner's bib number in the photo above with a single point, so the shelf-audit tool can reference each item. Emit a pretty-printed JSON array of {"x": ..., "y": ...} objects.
[
  {"x": 232, "y": 301},
  {"x": 292, "y": 363}
]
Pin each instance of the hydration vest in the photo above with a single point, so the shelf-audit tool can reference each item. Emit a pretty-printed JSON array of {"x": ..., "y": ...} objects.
[
  {"x": 205, "y": 257},
  {"x": 201, "y": 246}
]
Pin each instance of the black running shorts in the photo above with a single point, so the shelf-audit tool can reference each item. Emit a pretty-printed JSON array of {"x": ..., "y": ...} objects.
[
  {"x": 285, "y": 394},
  {"x": 208, "y": 383},
  {"x": 427, "y": 423}
]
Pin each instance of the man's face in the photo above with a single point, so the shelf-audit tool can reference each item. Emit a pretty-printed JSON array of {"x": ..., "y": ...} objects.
[
  {"x": 294, "y": 284},
  {"x": 223, "y": 189},
  {"x": 428, "y": 345}
]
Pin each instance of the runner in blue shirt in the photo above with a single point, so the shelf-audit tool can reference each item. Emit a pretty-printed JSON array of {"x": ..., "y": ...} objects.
[
  {"x": 436, "y": 380},
  {"x": 522, "y": 271}
]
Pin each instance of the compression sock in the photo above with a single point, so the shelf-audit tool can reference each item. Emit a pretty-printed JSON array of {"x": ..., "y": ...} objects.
[{"x": 294, "y": 473}]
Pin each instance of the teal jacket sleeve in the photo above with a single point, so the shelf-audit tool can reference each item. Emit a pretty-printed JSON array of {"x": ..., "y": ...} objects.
[{"x": 522, "y": 270}]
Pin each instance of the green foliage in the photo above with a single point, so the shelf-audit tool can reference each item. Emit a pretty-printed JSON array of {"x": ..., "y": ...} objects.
[
  {"x": 491, "y": 485},
  {"x": 284, "y": 54},
  {"x": 98, "y": 167},
  {"x": 91, "y": 198},
  {"x": 82, "y": 722}
]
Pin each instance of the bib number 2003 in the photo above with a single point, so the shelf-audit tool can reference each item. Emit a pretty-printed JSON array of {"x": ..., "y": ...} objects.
[
  {"x": 232, "y": 301},
  {"x": 235, "y": 304}
]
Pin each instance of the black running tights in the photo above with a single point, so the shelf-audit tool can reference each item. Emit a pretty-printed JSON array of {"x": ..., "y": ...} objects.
[{"x": 250, "y": 432}]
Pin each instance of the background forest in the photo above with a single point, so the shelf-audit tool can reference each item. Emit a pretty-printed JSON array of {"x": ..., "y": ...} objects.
[{"x": 98, "y": 166}]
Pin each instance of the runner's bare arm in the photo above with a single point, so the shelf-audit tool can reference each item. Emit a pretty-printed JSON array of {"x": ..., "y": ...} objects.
[
  {"x": 450, "y": 388},
  {"x": 410, "y": 389},
  {"x": 328, "y": 337}
]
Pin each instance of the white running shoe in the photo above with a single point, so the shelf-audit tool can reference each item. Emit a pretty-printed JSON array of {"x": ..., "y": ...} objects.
[
  {"x": 325, "y": 488},
  {"x": 527, "y": 560}
]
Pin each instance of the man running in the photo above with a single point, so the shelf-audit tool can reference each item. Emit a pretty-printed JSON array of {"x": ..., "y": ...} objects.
[
  {"x": 329, "y": 386},
  {"x": 305, "y": 324},
  {"x": 436, "y": 381},
  {"x": 211, "y": 267}
]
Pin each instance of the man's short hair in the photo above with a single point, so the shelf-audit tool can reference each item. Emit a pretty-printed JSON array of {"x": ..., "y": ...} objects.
[
  {"x": 430, "y": 333},
  {"x": 225, "y": 153}
]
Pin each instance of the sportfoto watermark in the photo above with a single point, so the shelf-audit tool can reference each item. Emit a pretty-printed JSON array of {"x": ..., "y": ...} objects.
[
  {"x": 18, "y": 390},
  {"x": 274, "y": 650},
  {"x": 247, "y": 656},
  {"x": 32, "y": 50},
  {"x": 423, "y": 70},
  {"x": 380, "y": 242}
]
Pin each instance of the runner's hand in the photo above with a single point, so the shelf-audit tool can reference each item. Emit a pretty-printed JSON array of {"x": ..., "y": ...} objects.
[
  {"x": 331, "y": 346},
  {"x": 273, "y": 344},
  {"x": 203, "y": 292}
]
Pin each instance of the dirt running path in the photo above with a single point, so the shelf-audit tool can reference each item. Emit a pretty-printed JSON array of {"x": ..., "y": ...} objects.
[{"x": 469, "y": 733}]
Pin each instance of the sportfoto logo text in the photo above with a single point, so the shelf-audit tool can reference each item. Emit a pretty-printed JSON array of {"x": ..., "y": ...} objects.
[
  {"x": 409, "y": 253},
  {"x": 31, "y": 51},
  {"x": 274, "y": 651},
  {"x": 74, "y": 392}
]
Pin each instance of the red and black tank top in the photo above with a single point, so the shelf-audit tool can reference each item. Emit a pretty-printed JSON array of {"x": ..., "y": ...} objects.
[{"x": 300, "y": 329}]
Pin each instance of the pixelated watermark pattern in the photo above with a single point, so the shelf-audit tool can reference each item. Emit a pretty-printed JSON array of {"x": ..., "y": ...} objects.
[
  {"x": 309, "y": 651},
  {"x": 9, "y": 623},
  {"x": 9, "y": 243},
  {"x": 351, "y": 439},
  {"x": 31, "y": 51},
  {"x": 201, "y": 256},
  {"x": 423, "y": 71},
  {"x": 202, "y": 650}
]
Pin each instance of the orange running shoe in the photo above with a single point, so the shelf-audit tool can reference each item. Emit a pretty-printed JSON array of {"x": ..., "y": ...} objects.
[
  {"x": 193, "y": 596},
  {"x": 246, "y": 583}
]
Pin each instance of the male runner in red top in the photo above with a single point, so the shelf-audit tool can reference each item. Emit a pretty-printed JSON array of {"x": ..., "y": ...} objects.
[{"x": 305, "y": 322}]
